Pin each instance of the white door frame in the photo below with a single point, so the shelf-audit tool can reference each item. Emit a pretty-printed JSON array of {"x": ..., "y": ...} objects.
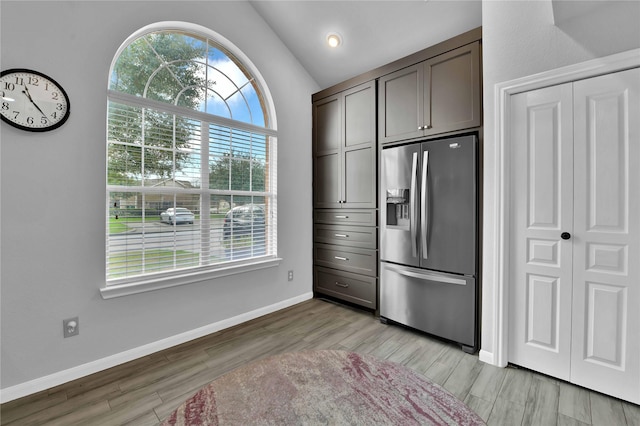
[{"x": 497, "y": 353}]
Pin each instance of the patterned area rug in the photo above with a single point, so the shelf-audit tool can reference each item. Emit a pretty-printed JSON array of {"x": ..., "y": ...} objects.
[{"x": 323, "y": 388}]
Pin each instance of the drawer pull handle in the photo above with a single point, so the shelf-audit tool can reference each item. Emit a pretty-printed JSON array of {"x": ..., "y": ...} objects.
[
  {"x": 339, "y": 284},
  {"x": 341, "y": 258},
  {"x": 342, "y": 217},
  {"x": 341, "y": 235}
]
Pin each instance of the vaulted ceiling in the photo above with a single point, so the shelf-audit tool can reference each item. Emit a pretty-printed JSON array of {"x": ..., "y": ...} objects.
[{"x": 373, "y": 33}]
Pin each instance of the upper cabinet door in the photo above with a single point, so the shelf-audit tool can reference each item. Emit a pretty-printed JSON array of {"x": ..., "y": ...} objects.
[
  {"x": 401, "y": 104},
  {"x": 439, "y": 95},
  {"x": 452, "y": 91},
  {"x": 359, "y": 148},
  {"x": 327, "y": 125},
  {"x": 327, "y": 143},
  {"x": 344, "y": 149}
]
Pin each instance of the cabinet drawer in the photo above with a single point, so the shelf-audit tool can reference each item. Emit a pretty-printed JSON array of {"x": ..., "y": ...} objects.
[
  {"x": 350, "y": 259},
  {"x": 350, "y": 287},
  {"x": 345, "y": 216},
  {"x": 345, "y": 235}
]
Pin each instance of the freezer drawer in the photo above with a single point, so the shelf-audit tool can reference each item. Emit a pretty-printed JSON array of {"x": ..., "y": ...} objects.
[
  {"x": 345, "y": 235},
  {"x": 444, "y": 305},
  {"x": 350, "y": 259},
  {"x": 347, "y": 217},
  {"x": 354, "y": 288}
]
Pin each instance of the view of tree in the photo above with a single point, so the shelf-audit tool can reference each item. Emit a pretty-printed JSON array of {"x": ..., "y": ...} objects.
[
  {"x": 176, "y": 57},
  {"x": 246, "y": 173}
]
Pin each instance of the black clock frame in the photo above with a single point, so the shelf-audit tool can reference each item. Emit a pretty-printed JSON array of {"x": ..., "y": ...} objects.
[{"x": 38, "y": 129}]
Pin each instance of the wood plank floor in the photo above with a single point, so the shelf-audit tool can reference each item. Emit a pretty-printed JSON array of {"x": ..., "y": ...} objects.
[{"x": 145, "y": 391}]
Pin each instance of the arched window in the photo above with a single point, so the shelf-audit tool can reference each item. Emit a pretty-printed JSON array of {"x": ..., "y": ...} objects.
[{"x": 191, "y": 157}]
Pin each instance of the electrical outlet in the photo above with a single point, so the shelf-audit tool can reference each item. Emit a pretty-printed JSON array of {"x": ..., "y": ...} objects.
[
  {"x": 71, "y": 327},
  {"x": 290, "y": 276}
]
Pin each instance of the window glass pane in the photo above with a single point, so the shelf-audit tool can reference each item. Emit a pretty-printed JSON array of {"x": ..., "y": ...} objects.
[
  {"x": 157, "y": 166},
  {"x": 152, "y": 232},
  {"x": 188, "y": 175},
  {"x": 239, "y": 107},
  {"x": 173, "y": 46},
  {"x": 134, "y": 66},
  {"x": 244, "y": 232},
  {"x": 124, "y": 124},
  {"x": 258, "y": 175},
  {"x": 124, "y": 165},
  {"x": 219, "y": 157},
  {"x": 216, "y": 105},
  {"x": 254, "y": 104},
  {"x": 240, "y": 173},
  {"x": 220, "y": 206}
]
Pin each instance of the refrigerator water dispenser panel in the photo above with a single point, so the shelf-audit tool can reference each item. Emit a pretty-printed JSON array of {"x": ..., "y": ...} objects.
[{"x": 398, "y": 211}]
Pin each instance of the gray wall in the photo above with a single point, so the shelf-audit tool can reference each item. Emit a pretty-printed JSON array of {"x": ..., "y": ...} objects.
[
  {"x": 53, "y": 196},
  {"x": 520, "y": 38}
]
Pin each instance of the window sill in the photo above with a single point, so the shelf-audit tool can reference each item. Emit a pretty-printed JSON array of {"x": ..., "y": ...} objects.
[{"x": 156, "y": 283}]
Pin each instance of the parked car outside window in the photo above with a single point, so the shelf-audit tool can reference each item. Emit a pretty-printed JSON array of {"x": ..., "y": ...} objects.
[
  {"x": 177, "y": 215},
  {"x": 244, "y": 231}
]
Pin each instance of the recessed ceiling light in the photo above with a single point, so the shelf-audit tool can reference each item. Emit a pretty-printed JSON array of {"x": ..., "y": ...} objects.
[{"x": 334, "y": 40}]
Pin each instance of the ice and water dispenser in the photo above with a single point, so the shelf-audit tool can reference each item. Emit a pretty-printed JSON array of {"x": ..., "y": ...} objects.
[{"x": 398, "y": 207}]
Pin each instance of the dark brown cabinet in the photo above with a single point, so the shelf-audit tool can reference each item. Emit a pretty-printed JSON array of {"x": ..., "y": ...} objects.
[
  {"x": 345, "y": 195},
  {"x": 344, "y": 139},
  {"x": 345, "y": 255},
  {"x": 431, "y": 92},
  {"x": 439, "y": 95}
]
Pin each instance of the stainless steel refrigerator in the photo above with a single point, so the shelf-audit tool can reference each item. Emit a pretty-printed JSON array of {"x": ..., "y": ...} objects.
[{"x": 429, "y": 238}]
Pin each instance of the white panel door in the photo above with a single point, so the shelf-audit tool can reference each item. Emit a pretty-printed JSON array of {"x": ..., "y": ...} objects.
[
  {"x": 541, "y": 210},
  {"x": 606, "y": 281}
]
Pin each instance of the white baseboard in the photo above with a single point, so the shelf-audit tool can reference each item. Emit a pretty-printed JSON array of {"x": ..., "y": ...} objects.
[
  {"x": 486, "y": 356},
  {"x": 74, "y": 373}
]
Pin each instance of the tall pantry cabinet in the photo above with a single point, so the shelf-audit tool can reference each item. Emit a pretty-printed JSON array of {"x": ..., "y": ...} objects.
[{"x": 344, "y": 177}]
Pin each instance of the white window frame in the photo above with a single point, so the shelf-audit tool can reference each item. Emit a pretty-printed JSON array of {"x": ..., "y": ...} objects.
[{"x": 143, "y": 283}]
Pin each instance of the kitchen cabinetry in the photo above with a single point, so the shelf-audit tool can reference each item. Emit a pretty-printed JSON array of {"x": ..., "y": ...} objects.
[
  {"x": 436, "y": 89},
  {"x": 345, "y": 255},
  {"x": 345, "y": 195},
  {"x": 344, "y": 146},
  {"x": 439, "y": 95}
]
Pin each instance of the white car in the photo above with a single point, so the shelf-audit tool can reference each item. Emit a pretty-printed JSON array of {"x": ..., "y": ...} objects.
[{"x": 177, "y": 215}]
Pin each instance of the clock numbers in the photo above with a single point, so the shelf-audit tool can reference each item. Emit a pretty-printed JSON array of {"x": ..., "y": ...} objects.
[{"x": 32, "y": 101}]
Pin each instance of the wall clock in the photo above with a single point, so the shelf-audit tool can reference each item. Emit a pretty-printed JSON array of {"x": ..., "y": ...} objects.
[{"x": 32, "y": 101}]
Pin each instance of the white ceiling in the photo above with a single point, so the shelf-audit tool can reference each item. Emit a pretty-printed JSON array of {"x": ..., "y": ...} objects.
[{"x": 374, "y": 33}]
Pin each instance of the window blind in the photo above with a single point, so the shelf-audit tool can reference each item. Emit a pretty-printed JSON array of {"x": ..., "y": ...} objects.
[{"x": 185, "y": 193}]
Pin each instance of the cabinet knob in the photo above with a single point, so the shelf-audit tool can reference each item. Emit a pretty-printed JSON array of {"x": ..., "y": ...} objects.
[
  {"x": 420, "y": 127},
  {"x": 565, "y": 235}
]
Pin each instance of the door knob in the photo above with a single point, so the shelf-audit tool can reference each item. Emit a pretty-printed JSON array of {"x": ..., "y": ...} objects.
[{"x": 565, "y": 235}]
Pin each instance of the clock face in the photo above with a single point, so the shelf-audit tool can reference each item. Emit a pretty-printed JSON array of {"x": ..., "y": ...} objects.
[{"x": 32, "y": 101}]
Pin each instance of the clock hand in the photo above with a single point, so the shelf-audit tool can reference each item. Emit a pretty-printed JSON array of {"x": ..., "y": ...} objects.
[{"x": 26, "y": 92}]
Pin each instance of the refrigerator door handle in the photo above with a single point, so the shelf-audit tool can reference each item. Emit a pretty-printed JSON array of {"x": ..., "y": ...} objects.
[
  {"x": 426, "y": 276},
  {"x": 412, "y": 205},
  {"x": 424, "y": 214}
]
